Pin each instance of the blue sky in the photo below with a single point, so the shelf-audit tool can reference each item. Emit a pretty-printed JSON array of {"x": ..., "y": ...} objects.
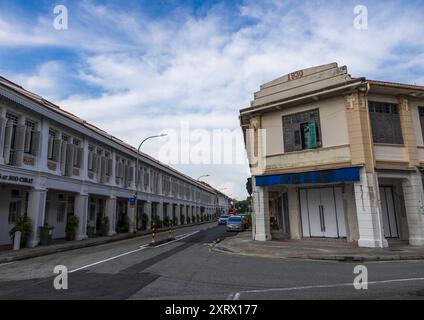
[{"x": 135, "y": 68}]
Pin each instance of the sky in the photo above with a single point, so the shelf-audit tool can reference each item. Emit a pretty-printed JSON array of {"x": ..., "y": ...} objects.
[{"x": 185, "y": 68}]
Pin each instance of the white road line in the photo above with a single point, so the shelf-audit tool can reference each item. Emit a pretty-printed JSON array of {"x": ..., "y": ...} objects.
[
  {"x": 109, "y": 259},
  {"x": 6, "y": 263},
  {"x": 178, "y": 238},
  {"x": 236, "y": 296}
]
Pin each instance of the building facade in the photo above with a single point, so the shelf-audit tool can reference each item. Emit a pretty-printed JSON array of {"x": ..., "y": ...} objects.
[
  {"x": 53, "y": 165},
  {"x": 333, "y": 156}
]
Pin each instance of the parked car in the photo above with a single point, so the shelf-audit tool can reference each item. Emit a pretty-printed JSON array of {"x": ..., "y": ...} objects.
[
  {"x": 235, "y": 223},
  {"x": 223, "y": 219}
]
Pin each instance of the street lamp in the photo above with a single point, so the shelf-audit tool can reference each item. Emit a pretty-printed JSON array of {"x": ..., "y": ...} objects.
[
  {"x": 206, "y": 175},
  {"x": 136, "y": 177}
]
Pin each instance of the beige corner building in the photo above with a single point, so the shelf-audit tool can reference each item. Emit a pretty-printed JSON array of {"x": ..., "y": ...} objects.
[{"x": 333, "y": 156}]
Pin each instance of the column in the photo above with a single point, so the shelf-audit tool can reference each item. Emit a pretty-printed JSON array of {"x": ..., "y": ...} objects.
[
  {"x": 3, "y": 122},
  {"x": 260, "y": 204},
  {"x": 414, "y": 205},
  {"x": 177, "y": 213},
  {"x": 81, "y": 211},
  {"x": 148, "y": 211},
  {"x": 294, "y": 214},
  {"x": 36, "y": 211},
  {"x": 111, "y": 214},
  {"x": 368, "y": 210},
  {"x": 131, "y": 217},
  {"x": 161, "y": 210}
]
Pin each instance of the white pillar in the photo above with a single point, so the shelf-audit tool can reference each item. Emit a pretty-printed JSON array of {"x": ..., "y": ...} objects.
[
  {"x": 81, "y": 211},
  {"x": 111, "y": 214},
  {"x": 368, "y": 210},
  {"x": 148, "y": 211},
  {"x": 160, "y": 210},
  {"x": 414, "y": 205},
  {"x": 36, "y": 211},
  {"x": 262, "y": 226},
  {"x": 131, "y": 216}
]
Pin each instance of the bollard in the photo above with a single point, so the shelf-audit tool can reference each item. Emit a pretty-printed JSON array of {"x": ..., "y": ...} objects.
[
  {"x": 17, "y": 240},
  {"x": 154, "y": 233}
]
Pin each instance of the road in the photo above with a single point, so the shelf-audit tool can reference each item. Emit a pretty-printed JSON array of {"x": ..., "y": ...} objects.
[{"x": 190, "y": 269}]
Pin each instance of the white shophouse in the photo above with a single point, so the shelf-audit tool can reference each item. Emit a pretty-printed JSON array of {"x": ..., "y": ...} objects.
[{"x": 53, "y": 165}]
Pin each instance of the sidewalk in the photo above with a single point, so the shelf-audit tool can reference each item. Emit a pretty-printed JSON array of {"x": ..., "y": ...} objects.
[
  {"x": 27, "y": 253},
  {"x": 316, "y": 249}
]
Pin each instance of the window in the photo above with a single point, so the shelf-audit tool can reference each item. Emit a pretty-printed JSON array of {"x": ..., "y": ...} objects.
[
  {"x": 421, "y": 113},
  {"x": 65, "y": 138},
  {"x": 302, "y": 131},
  {"x": 14, "y": 211},
  {"x": 77, "y": 153},
  {"x": 29, "y": 136},
  {"x": 385, "y": 122},
  {"x": 52, "y": 137}
]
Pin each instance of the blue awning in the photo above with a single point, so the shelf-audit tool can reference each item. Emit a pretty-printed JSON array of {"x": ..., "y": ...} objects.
[{"x": 325, "y": 176}]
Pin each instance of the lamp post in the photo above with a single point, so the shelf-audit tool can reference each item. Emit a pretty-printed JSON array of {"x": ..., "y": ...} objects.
[
  {"x": 203, "y": 176},
  {"x": 136, "y": 177}
]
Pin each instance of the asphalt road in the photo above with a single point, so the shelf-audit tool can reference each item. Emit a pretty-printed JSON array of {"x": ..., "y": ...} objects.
[{"x": 190, "y": 269}]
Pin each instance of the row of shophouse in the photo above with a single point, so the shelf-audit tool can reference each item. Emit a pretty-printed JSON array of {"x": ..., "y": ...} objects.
[
  {"x": 338, "y": 157},
  {"x": 54, "y": 165}
]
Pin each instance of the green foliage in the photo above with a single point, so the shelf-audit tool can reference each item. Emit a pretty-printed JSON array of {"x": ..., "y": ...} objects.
[
  {"x": 188, "y": 220},
  {"x": 71, "y": 227},
  {"x": 182, "y": 218},
  {"x": 248, "y": 221},
  {"x": 166, "y": 222},
  {"x": 274, "y": 224},
  {"x": 22, "y": 224},
  {"x": 244, "y": 205},
  {"x": 123, "y": 224},
  {"x": 104, "y": 227}
]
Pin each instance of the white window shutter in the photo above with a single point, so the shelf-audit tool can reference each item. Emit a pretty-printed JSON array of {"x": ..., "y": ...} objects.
[
  {"x": 35, "y": 145},
  {"x": 57, "y": 149},
  {"x": 8, "y": 141},
  {"x": 63, "y": 151}
]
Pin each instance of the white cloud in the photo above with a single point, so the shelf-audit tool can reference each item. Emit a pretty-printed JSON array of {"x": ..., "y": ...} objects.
[{"x": 154, "y": 73}]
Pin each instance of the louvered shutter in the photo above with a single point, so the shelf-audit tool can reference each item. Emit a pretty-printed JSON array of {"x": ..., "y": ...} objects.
[
  {"x": 63, "y": 152},
  {"x": 8, "y": 141},
  {"x": 103, "y": 169},
  {"x": 20, "y": 144},
  {"x": 27, "y": 143},
  {"x": 35, "y": 145},
  {"x": 57, "y": 149},
  {"x": 80, "y": 152},
  {"x": 3, "y": 122},
  {"x": 69, "y": 159},
  {"x": 95, "y": 162},
  {"x": 109, "y": 167}
]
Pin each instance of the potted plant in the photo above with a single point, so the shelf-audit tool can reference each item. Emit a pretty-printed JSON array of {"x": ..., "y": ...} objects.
[
  {"x": 46, "y": 233},
  {"x": 166, "y": 221},
  {"x": 182, "y": 218},
  {"x": 123, "y": 224},
  {"x": 71, "y": 227},
  {"x": 188, "y": 220},
  {"x": 22, "y": 224},
  {"x": 104, "y": 227},
  {"x": 90, "y": 230}
]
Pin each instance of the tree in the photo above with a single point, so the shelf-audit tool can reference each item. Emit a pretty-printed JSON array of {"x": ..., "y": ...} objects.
[{"x": 244, "y": 205}]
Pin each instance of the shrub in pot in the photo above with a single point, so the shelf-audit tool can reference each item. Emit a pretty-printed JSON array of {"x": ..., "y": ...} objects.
[
  {"x": 22, "y": 224},
  {"x": 123, "y": 224},
  {"x": 166, "y": 221},
  {"x": 90, "y": 231},
  {"x": 71, "y": 227},
  {"x": 188, "y": 220},
  {"x": 104, "y": 227},
  {"x": 182, "y": 218}
]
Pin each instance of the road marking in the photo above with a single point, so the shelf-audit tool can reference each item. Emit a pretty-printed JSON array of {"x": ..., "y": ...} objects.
[
  {"x": 6, "y": 263},
  {"x": 109, "y": 259},
  {"x": 236, "y": 296},
  {"x": 178, "y": 238}
]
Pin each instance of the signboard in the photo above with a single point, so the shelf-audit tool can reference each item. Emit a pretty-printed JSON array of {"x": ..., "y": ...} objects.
[
  {"x": 132, "y": 203},
  {"x": 11, "y": 178}
]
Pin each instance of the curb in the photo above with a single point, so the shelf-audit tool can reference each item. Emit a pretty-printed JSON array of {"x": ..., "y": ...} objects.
[
  {"x": 338, "y": 258},
  {"x": 82, "y": 244}
]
